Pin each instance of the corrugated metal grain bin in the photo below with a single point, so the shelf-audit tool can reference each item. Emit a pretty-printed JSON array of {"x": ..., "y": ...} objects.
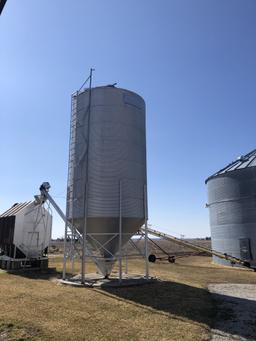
[
  {"x": 107, "y": 148},
  {"x": 232, "y": 206}
]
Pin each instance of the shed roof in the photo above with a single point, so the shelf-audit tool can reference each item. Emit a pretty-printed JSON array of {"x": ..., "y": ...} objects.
[{"x": 16, "y": 208}]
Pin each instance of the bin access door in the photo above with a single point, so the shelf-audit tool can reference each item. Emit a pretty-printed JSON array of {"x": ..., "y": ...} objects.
[{"x": 245, "y": 249}]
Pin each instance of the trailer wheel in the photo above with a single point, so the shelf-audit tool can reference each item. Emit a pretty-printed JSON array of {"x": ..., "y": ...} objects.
[
  {"x": 171, "y": 259},
  {"x": 152, "y": 258}
]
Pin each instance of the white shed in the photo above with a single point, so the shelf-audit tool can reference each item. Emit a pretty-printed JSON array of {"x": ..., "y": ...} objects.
[{"x": 25, "y": 231}]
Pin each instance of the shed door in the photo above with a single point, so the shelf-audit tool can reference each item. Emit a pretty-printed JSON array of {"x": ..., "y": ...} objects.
[{"x": 245, "y": 249}]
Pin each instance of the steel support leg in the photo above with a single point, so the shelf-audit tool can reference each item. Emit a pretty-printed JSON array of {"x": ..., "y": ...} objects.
[
  {"x": 83, "y": 259},
  {"x": 146, "y": 232},
  {"x": 120, "y": 231},
  {"x": 64, "y": 271}
]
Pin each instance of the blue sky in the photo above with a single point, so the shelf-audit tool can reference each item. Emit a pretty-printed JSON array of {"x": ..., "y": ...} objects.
[{"x": 193, "y": 61}]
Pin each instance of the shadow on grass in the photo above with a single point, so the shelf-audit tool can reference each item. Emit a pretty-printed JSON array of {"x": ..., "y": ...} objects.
[
  {"x": 185, "y": 303},
  {"x": 15, "y": 331},
  {"x": 36, "y": 274},
  {"x": 170, "y": 297}
]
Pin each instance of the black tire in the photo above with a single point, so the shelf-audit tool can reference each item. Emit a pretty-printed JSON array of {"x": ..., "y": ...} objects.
[
  {"x": 171, "y": 259},
  {"x": 152, "y": 258}
]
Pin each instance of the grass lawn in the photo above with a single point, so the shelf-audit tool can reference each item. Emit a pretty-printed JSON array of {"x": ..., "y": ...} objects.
[{"x": 178, "y": 307}]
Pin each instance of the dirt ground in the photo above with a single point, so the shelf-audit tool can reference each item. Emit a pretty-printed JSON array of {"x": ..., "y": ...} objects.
[{"x": 177, "y": 307}]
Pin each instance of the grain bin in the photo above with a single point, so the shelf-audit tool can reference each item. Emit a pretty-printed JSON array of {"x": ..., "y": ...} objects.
[
  {"x": 107, "y": 168},
  {"x": 232, "y": 207}
]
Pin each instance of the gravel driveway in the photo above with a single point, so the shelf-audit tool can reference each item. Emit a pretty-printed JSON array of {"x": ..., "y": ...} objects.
[{"x": 236, "y": 316}]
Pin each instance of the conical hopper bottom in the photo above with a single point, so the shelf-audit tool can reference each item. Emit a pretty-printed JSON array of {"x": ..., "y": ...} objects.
[{"x": 103, "y": 236}]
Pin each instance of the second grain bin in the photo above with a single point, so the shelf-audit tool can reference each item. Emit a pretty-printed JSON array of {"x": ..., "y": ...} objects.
[
  {"x": 107, "y": 168},
  {"x": 232, "y": 206}
]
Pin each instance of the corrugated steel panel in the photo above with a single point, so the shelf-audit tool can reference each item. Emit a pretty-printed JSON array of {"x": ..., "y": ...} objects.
[
  {"x": 232, "y": 207},
  {"x": 16, "y": 208},
  {"x": 114, "y": 145}
]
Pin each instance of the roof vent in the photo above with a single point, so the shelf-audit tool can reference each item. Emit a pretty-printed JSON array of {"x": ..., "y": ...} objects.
[{"x": 242, "y": 158}]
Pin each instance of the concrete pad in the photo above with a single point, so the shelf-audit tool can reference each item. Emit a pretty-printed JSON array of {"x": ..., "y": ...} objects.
[{"x": 95, "y": 280}]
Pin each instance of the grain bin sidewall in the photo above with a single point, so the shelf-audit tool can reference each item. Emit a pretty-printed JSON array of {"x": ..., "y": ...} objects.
[{"x": 232, "y": 210}]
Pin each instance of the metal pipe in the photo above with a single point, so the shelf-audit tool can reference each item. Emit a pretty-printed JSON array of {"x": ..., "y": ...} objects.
[
  {"x": 146, "y": 232},
  {"x": 84, "y": 238},
  {"x": 120, "y": 231},
  {"x": 158, "y": 246},
  {"x": 126, "y": 259},
  {"x": 14, "y": 252},
  {"x": 64, "y": 270},
  {"x": 86, "y": 183},
  {"x": 197, "y": 247}
]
